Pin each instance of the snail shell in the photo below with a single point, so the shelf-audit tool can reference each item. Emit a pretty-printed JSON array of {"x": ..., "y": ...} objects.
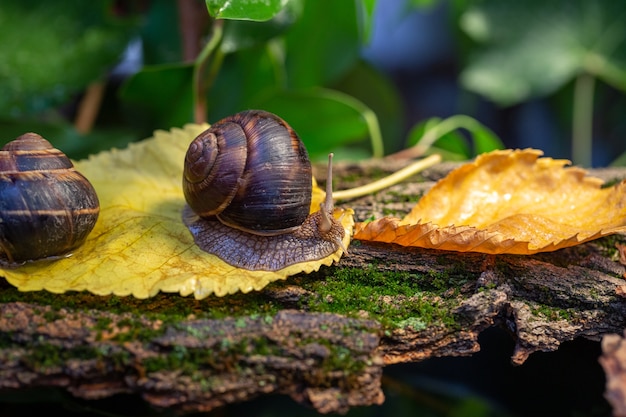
[
  {"x": 248, "y": 183},
  {"x": 47, "y": 208}
]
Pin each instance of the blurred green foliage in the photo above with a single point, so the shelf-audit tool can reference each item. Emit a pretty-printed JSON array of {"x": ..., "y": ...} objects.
[
  {"x": 519, "y": 51},
  {"x": 293, "y": 58},
  {"x": 532, "y": 48},
  {"x": 51, "y": 50},
  {"x": 298, "y": 58},
  {"x": 435, "y": 135},
  {"x": 288, "y": 65}
]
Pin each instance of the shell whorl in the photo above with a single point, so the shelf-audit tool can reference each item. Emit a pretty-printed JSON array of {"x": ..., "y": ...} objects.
[
  {"x": 319, "y": 236},
  {"x": 214, "y": 164},
  {"x": 46, "y": 207},
  {"x": 252, "y": 171}
]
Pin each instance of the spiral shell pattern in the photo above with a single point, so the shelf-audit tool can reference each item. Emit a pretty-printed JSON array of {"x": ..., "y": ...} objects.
[
  {"x": 47, "y": 208},
  {"x": 252, "y": 172}
]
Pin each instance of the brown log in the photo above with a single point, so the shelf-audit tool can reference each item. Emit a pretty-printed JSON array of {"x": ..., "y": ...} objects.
[{"x": 300, "y": 337}]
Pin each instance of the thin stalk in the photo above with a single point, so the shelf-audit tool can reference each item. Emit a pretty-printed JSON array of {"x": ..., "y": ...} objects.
[
  {"x": 201, "y": 83},
  {"x": 376, "y": 137},
  {"x": 448, "y": 125},
  {"x": 389, "y": 180},
  {"x": 582, "y": 123},
  {"x": 373, "y": 127},
  {"x": 276, "y": 53}
]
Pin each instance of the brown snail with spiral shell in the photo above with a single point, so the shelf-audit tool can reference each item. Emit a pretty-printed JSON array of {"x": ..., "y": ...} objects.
[
  {"x": 47, "y": 208},
  {"x": 247, "y": 181}
]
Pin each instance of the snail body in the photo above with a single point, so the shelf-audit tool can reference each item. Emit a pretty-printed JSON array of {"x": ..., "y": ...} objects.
[
  {"x": 47, "y": 208},
  {"x": 248, "y": 183}
]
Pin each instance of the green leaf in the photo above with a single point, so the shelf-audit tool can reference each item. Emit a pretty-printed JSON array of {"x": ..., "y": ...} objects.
[
  {"x": 160, "y": 35},
  {"x": 162, "y": 93},
  {"x": 241, "y": 34},
  {"x": 368, "y": 85},
  {"x": 423, "y": 3},
  {"x": 532, "y": 48},
  {"x": 440, "y": 136},
  {"x": 323, "y": 45},
  {"x": 244, "y": 9},
  {"x": 324, "y": 119},
  {"x": 485, "y": 140},
  {"x": 244, "y": 76},
  {"x": 64, "y": 136},
  {"x": 53, "y": 50},
  {"x": 620, "y": 161},
  {"x": 365, "y": 10},
  {"x": 452, "y": 146}
]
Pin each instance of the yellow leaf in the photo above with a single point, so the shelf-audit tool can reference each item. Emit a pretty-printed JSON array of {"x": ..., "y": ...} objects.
[
  {"x": 140, "y": 245},
  {"x": 508, "y": 201}
]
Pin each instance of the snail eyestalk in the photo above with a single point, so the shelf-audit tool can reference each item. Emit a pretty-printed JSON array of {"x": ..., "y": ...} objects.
[
  {"x": 326, "y": 208},
  {"x": 328, "y": 202}
]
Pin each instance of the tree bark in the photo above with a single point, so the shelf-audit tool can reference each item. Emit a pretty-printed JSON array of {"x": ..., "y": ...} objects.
[{"x": 189, "y": 355}]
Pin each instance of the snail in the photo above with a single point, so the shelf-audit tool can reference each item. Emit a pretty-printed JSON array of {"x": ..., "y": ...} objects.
[
  {"x": 47, "y": 208},
  {"x": 247, "y": 181}
]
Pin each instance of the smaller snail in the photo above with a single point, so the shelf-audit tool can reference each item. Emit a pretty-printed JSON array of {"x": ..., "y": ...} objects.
[
  {"x": 248, "y": 182},
  {"x": 47, "y": 208}
]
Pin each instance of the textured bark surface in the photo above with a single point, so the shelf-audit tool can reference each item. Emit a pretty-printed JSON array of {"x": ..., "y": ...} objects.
[
  {"x": 218, "y": 351},
  {"x": 194, "y": 365}
]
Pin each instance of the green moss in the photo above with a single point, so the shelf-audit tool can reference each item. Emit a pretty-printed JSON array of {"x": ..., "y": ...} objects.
[
  {"x": 349, "y": 178},
  {"x": 342, "y": 359},
  {"x": 395, "y": 299},
  {"x": 51, "y": 315},
  {"x": 130, "y": 330},
  {"x": 388, "y": 297},
  {"x": 398, "y": 197},
  {"x": 369, "y": 219},
  {"x": 43, "y": 355},
  {"x": 552, "y": 313},
  {"x": 416, "y": 323},
  {"x": 610, "y": 183},
  {"x": 195, "y": 361},
  {"x": 339, "y": 358},
  {"x": 103, "y": 323},
  {"x": 393, "y": 213},
  {"x": 607, "y": 245},
  {"x": 163, "y": 307},
  {"x": 347, "y": 291}
]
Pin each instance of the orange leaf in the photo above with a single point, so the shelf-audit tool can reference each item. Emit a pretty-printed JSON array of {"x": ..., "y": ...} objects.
[{"x": 508, "y": 201}]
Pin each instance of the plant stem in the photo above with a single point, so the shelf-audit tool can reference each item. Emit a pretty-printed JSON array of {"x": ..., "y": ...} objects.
[
  {"x": 89, "y": 107},
  {"x": 373, "y": 128},
  {"x": 430, "y": 136},
  {"x": 376, "y": 136},
  {"x": 389, "y": 180},
  {"x": 200, "y": 84},
  {"x": 582, "y": 123}
]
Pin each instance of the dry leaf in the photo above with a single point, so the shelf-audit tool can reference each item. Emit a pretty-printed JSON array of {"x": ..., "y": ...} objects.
[
  {"x": 140, "y": 245},
  {"x": 508, "y": 201}
]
